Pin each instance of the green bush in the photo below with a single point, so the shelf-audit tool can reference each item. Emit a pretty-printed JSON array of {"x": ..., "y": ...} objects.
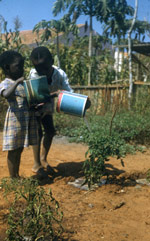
[
  {"x": 34, "y": 214},
  {"x": 130, "y": 126},
  {"x": 99, "y": 151}
]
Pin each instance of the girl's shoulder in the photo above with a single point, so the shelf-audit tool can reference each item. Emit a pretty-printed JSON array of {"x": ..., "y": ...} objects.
[{"x": 5, "y": 83}]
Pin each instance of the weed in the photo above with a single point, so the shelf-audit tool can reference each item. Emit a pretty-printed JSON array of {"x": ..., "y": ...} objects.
[{"x": 34, "y": 213}]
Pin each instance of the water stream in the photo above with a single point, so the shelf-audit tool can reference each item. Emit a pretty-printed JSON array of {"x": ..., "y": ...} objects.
[{"x": 87, "y": 124}]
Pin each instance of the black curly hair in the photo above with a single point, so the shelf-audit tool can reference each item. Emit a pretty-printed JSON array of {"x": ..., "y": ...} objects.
[
  {"x": 41, "y": 52},
  {"x": 7, "y": 58}
]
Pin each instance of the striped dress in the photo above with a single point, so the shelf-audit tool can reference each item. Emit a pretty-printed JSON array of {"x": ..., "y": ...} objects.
[{"x": 20, "y": 127}]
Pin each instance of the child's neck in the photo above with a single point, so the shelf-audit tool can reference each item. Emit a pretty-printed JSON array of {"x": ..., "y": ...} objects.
[
  {"x": 8, "y": 77},
  {"x": 50, "y": 78}
]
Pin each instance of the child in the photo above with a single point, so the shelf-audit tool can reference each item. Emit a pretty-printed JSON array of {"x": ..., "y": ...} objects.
[
  {"x": 20, "y": 123},
  {"x": 57, "y": 80}
]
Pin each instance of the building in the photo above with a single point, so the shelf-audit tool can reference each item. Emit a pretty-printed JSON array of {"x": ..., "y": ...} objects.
[{"x": 31, "y": 38}]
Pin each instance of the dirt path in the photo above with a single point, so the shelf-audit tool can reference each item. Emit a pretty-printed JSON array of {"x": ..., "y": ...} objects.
[{"x": 114, "y": 212}]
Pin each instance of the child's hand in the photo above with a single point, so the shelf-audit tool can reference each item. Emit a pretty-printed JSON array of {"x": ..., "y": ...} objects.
[
  {"x": 20, "y": 80},
  {"x": 54, "y": 94},
  {"x": 39, "y": 106}
]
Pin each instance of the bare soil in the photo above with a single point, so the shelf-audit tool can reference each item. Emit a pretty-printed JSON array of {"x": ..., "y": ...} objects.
[{"x": 117, "y": 211}]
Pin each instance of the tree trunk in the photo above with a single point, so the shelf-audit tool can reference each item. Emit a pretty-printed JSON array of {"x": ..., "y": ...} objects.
[
  {"x": 138, "y": 66},
  {"x": 58, "y": 56},
  {"x": 130, "y": 54},
  {"x": 118, "y": 59},
  {"x": 90, "y": 51}
]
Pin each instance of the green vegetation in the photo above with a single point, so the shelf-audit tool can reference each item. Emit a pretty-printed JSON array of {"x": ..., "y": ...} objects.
[
  {"x": 33, "y": 214},
  {"x": 107, "y": 135},
  {"x": 88, "y": 62},
  {"x": 130, "y": 126}
]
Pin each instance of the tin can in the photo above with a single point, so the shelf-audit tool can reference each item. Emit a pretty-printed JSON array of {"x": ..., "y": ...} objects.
[
  {"x": 37, "y": 90},
  {"x": 72, "y": 103}
]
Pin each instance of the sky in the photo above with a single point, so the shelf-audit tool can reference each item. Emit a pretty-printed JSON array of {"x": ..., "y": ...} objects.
[{"x": 30, "y": 12}]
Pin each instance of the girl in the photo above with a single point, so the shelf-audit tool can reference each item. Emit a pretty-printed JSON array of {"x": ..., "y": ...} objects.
[{"x": 20, "y": 128}]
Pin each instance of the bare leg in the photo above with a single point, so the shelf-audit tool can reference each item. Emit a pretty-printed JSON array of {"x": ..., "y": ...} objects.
[
  {"x": 49, "y": 130},
  {"x": 13, "y": 161},
  {"x": 41, "y": 160},
  {"x": 37, "y": 167},
  {"x": 46, "y": 144},
  {"x": 36, "y": 150},
  {"x": 36, "y": 153}
]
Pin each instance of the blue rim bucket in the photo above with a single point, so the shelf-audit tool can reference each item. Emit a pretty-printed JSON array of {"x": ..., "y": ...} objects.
[{"x": 72, "y": 103}]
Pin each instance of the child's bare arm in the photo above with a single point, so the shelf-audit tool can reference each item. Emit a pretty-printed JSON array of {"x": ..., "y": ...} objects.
[
  {"x": 8, "y": 92},
  {"x": 54, "y": 94}
]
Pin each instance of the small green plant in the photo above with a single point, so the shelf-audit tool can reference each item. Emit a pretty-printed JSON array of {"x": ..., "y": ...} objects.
[
  {"x": 100, "y": 149},
  {"x": 34, "y": 213}
]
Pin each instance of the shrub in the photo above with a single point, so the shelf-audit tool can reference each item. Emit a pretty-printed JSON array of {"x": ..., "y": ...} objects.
[
  {"x": 99, "y": 151},
  {"x": 34, "y": 213}
]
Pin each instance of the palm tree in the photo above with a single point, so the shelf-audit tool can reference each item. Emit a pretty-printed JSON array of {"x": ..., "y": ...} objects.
[
  {"x": 116, "y": 25},
  {"x": 89, "y": 8},
  {"x": 140, "y": 28},
  {"x": 54, "y": 26}
]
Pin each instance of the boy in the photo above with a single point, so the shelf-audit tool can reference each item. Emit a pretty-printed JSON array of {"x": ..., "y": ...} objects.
[{"x": 57, "y": 80}]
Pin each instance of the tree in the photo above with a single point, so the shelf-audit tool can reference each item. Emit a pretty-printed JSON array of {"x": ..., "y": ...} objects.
[
  {"x": 54, "y": 26},
  {"x": 17, "y": 23},
  {"x": 116, "y": 25},
  {"x": 10, "y": 39},
  {"x": 140, "y": 28},
  {"x": 76, "y": 8}
]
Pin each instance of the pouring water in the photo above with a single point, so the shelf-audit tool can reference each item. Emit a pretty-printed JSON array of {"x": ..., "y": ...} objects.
[{"x": 87, "y": 124}]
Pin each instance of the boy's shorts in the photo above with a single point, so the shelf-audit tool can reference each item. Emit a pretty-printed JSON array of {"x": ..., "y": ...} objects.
[{"x": 46, "y": 124}]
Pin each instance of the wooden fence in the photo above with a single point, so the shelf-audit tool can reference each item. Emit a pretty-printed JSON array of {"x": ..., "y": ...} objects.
[
  {"x": 104, "y": 97},
  {"x": 110, "y": 96}
]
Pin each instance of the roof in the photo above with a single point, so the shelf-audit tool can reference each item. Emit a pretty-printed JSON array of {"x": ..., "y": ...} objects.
[
  {"x": 142, "y": 48},
  {"x": 30, "y": 37}
]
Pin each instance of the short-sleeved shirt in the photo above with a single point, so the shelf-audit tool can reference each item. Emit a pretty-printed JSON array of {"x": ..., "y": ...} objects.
[
  {"x": 59, "y": 82},
  {"x": 20, "y": 127}
]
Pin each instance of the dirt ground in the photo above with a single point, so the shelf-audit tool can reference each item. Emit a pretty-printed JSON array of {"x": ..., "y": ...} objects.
[{"x": 117, "y": 211}]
